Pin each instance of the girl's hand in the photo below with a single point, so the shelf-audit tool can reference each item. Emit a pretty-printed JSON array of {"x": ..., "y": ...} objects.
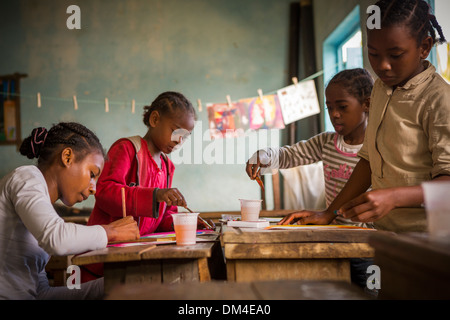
[
  {"x": 369, "y": 206},
  {"x": 125, "y": 229},
  {"x": 172, "y": 197},
  {"x": 258, "y": 160},
  {"x": 308, "y": 217}
]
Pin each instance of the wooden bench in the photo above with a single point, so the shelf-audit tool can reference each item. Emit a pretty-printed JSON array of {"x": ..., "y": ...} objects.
[{"x": 222, "y": 290}]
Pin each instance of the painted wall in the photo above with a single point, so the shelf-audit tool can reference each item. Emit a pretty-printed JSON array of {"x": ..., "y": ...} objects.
[{"x": 136, "y": 49}]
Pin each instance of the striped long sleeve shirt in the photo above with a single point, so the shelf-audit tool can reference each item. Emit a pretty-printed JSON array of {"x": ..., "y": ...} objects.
[{"x": 338, "y": 158}]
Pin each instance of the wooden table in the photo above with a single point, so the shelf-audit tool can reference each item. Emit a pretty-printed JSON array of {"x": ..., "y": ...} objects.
[
  {"x": 412, "y": 266},
  {"x": 219, "y": 290},
  {"x": 258, "y": 254},
  {"x": 166, "y": 263}
]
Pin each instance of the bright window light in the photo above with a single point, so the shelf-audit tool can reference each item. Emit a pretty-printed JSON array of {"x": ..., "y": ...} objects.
[{"x": 353, "y": 42}]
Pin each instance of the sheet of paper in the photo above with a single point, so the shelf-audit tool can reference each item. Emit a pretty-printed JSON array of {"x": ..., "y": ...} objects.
[
  {"x": 313, "y": 227},
  {"x": 162, "y": 238},
  {"x": 298, "y": 101}
]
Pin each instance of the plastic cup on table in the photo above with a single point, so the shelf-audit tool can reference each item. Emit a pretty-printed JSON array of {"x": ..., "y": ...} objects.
[
  {"x": 250, "y": 209},
  {"x": 437, "y": 205},
  {"x": 185, "y": 225}
]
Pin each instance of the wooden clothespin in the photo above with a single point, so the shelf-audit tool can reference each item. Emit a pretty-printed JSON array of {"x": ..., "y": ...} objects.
[
  {"x": 260, "y": 94},
  {"x": 295, "y": 81},
  {"x": 199, "y": 102},
  {"x": 75, "y": 103},
  {"x": 229, "y": 101},
  {"x": 39, "y": 100},
  {"x": 133, "y": 106},
  {"x": 106, "y": 105}
]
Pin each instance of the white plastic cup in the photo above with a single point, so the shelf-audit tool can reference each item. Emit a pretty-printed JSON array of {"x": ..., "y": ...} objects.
[
  {"x": 185, "y": 225},
  {"x": 250, "y": 209},
  {"x": 437, "y": 205}
]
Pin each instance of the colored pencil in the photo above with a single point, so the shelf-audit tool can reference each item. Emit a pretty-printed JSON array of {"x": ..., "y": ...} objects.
[{"x": 124, "y": 206}]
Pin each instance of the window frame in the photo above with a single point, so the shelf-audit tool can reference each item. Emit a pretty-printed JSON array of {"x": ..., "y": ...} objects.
[{"x": 332, "y": 52}]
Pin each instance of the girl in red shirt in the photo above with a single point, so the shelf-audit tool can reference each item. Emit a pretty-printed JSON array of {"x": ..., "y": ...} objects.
[{"x": 140, "y": 165}]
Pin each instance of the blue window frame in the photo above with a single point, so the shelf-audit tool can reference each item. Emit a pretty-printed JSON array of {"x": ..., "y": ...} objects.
[{"x": 342, "y": 50}]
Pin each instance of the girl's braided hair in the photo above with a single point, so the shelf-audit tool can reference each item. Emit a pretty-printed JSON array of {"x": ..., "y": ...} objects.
[
  {"x": 45, "y": 145},
  {"x": 415, "y": 14},
  {"x": 357, "y": 82},
  {"x": 166, "y": 104}
]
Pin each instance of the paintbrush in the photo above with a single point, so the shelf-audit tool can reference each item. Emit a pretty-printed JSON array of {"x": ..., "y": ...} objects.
[
  {"x": 200, "y": 218},
  {"x": 258, "y": 179},
  {"x": 189, "y": 210}
]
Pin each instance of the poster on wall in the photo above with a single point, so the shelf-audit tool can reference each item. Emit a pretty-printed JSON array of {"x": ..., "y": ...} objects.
[
  {"x": 263, "y": 112},
  {"x": 234, "y": 119},
  {"x": 226, "y": 120},
  {"x": 298, "y": 101}
]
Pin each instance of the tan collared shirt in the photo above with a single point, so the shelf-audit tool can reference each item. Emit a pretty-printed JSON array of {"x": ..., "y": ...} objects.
[{"x": 407, "y": 140}]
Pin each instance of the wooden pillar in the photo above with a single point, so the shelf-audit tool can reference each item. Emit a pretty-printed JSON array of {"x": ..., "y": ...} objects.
[{"x": 307, "y": 56}]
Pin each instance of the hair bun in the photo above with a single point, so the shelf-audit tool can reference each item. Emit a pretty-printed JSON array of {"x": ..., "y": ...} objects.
[{"x": 31, "y": 147}]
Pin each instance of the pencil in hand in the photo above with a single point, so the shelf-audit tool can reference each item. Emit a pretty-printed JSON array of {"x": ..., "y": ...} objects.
[
  {"x": 261, "y": 184},
  {"x": 258, "y": 179},
  {"x": 124, "y": 206}
]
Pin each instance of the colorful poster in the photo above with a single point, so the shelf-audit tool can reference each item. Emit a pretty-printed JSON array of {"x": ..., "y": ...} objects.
[
  {"x": 263, "y": 113},
  {"x": 226, "y": 120},
  {"x": 232, "y": 120},
  {"x": 298, "y": 101}
]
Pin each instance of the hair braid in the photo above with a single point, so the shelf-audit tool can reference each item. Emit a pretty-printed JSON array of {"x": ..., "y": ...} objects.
[
  {"x": 62, "y": 135},
  {"x": 166, "y": 104},
  {"x": 415, "y": 14},
  {"x": 357, "y": 82},
  {"x": 436, "y": 26}
]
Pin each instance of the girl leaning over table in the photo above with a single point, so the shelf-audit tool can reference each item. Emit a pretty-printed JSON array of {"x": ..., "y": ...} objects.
[{"x": 70, "y": 159}]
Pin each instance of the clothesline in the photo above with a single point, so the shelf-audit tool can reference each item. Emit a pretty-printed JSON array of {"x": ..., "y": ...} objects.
[{"x": 106, "y": 102}]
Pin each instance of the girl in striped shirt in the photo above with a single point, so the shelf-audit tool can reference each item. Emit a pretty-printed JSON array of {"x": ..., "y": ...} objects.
[{"x": 347, "y": 100}]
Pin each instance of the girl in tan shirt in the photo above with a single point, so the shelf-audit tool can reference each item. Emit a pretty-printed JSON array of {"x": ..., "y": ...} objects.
[{"x": 407, "y": 140}]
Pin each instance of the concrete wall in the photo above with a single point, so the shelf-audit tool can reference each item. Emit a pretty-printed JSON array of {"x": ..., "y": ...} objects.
[{"x": 136, "y": 49}]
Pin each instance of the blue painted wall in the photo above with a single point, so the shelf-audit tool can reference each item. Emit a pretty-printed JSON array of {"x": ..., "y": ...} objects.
[{"x": 136, "y": 49}]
